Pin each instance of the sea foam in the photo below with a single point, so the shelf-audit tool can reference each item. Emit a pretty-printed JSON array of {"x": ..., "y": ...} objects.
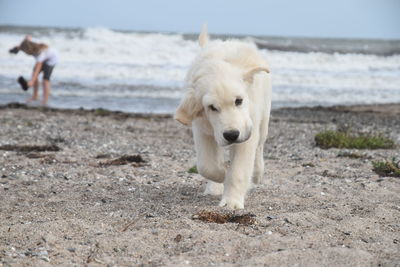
[{"x": 98, "y": 64}]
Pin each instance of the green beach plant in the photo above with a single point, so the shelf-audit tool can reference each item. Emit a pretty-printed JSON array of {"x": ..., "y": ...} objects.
[
  {"x": 387, "y": 168},
  {"x": 341, "y": 139},
  {"x": 101, "y": 112},
  {"x": 193, "y": 170}
]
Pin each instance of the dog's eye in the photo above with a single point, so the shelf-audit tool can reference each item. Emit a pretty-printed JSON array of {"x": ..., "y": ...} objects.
[
  {"x": 213, "y": 108},
  {"x": 238, "y": 101}
]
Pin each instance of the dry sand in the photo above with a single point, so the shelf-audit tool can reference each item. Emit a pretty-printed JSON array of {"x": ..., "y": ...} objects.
[{"x": 313, "y": 208}]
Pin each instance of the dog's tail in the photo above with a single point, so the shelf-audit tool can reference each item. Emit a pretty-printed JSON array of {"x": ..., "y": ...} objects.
[{"x": 203, "y": 37}]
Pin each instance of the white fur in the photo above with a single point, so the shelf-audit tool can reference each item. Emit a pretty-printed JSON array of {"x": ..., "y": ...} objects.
[{"x": 222, "y": 73}]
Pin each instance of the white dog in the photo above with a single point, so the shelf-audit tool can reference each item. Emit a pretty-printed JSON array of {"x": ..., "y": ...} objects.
[{"x": 228, "y": 104}]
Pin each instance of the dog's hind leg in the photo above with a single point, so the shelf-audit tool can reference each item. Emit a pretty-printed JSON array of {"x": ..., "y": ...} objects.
[
  {"x": 210, "y": 157},
  {"x": 259, "y": 165},
  {"x": 259, "y": 161},
  {"x": 214, "y": 189}
]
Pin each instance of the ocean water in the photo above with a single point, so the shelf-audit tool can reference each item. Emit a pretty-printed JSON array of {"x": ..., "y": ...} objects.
[{"x": 144, "y": 72}]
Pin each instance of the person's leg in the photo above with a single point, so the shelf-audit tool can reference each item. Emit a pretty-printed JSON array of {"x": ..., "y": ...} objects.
[
  {"x": 35, "y": 93},
  {"x": 46, "y": 91},
  {"x": 47, "y": 70}
]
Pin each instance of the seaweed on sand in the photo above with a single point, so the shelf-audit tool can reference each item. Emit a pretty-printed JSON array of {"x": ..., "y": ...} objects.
[
  {"x": 220, "y": 218},
  {"x": 30, "y": 148},
  {"x": 124, "y": 160}
]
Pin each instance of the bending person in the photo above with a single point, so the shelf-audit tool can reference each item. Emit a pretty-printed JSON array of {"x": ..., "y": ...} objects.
[{"x": 46, "y": 58}]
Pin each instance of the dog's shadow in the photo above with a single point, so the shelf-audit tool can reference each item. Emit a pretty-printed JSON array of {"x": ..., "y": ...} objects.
[
  {"x": 160, "y": 200},
  {"x": 174, "y": 195}
]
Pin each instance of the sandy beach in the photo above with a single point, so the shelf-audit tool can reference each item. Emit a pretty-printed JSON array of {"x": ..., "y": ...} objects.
[{"x": 75, "y": 205}]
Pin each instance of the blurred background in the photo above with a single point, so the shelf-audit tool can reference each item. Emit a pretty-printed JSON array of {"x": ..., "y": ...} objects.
[{"x": 133, "y": 55}]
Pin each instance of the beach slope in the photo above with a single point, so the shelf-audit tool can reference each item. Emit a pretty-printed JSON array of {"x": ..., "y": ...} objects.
[{"x": 95, "y": 187}]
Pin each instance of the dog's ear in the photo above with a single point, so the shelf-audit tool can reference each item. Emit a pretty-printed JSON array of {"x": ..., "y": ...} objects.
[
  {"x": 188, "y": 109},
  {"x": 249, "y": 76},
  {"x": 203, "y": 37}
]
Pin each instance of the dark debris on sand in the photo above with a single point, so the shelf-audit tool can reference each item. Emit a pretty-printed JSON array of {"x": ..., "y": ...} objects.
[
  {"x": 124, "y": 160},
  {"x": 30, "y": 148},
  {"x": 220, "y": 218}
]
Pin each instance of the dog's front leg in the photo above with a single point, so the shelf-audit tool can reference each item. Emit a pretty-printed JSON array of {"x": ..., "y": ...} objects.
[
  {"x": 239, "y": 175},
  {"x": 210, "y": 157}
]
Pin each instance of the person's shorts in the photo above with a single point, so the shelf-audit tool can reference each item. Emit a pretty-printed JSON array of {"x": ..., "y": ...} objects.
[{"x": 47, "y": 70}]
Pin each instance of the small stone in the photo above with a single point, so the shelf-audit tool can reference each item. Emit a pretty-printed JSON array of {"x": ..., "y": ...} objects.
[
  {"x": 47, "y": 259},
  {"x": 178, "y": 238},
  {"x": 154, "y": 231}
]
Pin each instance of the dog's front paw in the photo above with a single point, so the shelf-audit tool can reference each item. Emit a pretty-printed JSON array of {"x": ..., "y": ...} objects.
[{"x": 232, "y": 203}]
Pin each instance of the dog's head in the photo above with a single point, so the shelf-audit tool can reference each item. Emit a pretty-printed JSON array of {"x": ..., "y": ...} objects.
[{"x": 220, "y": 93}]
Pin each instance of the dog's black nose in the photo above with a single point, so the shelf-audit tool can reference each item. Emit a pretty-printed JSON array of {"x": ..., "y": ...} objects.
[{"x": 232, "y": 135}]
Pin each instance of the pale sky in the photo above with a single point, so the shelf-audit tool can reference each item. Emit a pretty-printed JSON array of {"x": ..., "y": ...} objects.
[{"x": 308, "y": 18}]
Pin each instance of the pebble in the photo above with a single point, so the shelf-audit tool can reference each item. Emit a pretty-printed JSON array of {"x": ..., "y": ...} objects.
[{"x": 72, "y": 250}]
